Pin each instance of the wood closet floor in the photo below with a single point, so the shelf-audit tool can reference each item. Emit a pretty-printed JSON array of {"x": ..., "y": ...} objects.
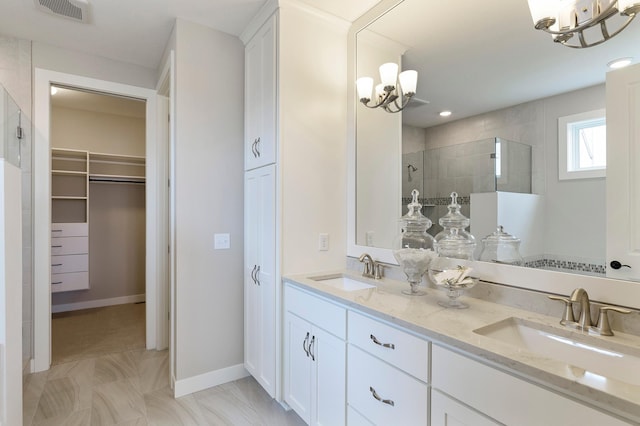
[{"x": 102, "y": 375}]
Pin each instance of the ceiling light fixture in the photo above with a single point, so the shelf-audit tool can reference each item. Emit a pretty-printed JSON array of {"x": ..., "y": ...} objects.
[
  {"x": 445, "y": 113},
  {"x": 395, "y": 91},
  {"x": 567, "y": 18},
  {"x": 619, "y": 63},
  {"x": 54, "y": 90}
]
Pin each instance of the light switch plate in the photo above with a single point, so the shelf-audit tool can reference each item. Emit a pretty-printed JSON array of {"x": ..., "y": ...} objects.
[
  {"x": 221, "y": 241},
  {"x": 323, "y": 242}
]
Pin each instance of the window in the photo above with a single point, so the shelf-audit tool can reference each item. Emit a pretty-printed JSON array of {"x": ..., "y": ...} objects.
[{"x": 582, "y": 145}]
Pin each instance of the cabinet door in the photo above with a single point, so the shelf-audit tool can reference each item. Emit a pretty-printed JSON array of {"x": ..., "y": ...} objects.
[
  {"x": 623, "y": 172},
  {"x": 446, "y": 411},
  {"x": 260, "y": 97},
  {"x": 259, "y": 276},
  {"x": 329, "y": 379},
  {"x": 297, "y": 374}
]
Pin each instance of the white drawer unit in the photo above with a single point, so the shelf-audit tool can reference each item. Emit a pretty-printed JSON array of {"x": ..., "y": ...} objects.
[
  {"x": 69, "y": 230},
  {"x": 69, "y": 263},
  {"x": 384, "y": 394},
  {"x": 69, "y": 245},
  {"x": 330, "y": 317},
  {"x": 70, "y": 281},
  {"x": 399, "y": 348}
]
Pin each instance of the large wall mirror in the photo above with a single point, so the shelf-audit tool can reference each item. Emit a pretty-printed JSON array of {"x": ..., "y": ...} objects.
[{"x": 506, "y": 84}]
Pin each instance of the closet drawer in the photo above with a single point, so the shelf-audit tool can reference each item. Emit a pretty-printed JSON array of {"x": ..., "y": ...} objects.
[
  {"x": 69, "y": 245},
  {"x": 403, "y": 399},
  {"x": 69, "y": 230},
  {"x": 398, "y": 348},
  {"x": 70, "y": 281},
  {"x": 69, "y": 263}
]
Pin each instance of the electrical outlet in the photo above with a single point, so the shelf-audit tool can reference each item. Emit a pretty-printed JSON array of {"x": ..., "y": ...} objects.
[
  {"x": 369, "y": 236},
  {"x": 323, "y": 242},
  {"x": 221, "y": 241}
]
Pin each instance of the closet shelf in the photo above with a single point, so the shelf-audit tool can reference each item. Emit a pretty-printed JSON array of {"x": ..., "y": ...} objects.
[{"x": 67, "y": 173}]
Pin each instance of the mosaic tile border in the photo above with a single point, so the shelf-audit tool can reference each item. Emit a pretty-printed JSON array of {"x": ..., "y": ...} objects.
[
  {"x": 567, "y": 265},
  {"x": 438, "y": 201}
]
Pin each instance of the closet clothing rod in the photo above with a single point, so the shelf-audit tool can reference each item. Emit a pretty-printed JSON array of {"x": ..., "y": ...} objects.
[{"x": 106, "y": 180}]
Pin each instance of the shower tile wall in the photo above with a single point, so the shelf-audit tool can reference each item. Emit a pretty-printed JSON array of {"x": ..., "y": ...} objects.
[{"x": 15, "y": 76}]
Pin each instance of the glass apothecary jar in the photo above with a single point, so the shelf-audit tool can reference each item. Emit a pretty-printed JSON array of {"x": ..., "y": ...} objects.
[
  {"x": 413, "y": 248},
  {"x": 454, "y": 241},
  {"x": 501, "y": 247}
]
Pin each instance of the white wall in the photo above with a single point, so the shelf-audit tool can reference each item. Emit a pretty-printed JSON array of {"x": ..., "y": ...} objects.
[
  {"x": 97, "y": 132},
  {"x": 313, "y": 82},
  {"x": 209, "y": 199},
  {"x": 72, "y": 62}
]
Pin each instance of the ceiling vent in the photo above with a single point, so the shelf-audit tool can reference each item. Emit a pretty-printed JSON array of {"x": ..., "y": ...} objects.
[{"x": 76, "y": 10}]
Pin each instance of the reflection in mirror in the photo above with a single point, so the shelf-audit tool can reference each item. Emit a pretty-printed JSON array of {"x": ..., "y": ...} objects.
[{"x": 503, "y": 83}]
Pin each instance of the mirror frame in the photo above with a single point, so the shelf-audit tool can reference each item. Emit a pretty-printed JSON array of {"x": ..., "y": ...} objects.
[{"x": 599, "y": 289}]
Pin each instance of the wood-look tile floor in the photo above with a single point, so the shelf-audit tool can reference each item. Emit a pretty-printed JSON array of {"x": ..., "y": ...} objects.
[{"x": 102, "y": 375}]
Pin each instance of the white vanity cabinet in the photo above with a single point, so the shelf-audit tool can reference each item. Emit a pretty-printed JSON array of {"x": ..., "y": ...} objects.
[
  {"x": 314, "y": 358},
  {"x": 259, "y": 276},
  {"x": 467, "y": 392},
  {"x": 387, "y": 373},
  {"x": 260, "y": 96}
]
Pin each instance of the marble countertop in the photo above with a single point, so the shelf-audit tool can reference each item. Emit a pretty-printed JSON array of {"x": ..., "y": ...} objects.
[{"x": 454, "y": 328}]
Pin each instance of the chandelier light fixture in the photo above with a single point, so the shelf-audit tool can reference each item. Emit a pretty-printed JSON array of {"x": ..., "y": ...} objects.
[
  {"x": 393, "y": 93},
  {"x": 564, "y": 19}
]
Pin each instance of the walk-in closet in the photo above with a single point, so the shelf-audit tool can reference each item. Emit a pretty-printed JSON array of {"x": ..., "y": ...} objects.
[{"x": 98, "y": 218}]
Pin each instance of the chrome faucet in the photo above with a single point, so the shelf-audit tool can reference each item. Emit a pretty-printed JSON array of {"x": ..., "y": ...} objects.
[
  {"x": 372, "y": 269},
  {"x": 580, "y": 295}
]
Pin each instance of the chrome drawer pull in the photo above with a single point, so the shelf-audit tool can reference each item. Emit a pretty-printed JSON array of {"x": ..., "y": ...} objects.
[
  {"x": 57, "y": 264},
  {"x": 57, "y": 282},
  {"x": 376, "y": 396},
  {"x": 379, "y": 343},
  {"x": 56, "y": 230},
  {"x": 304, "y": 344},
  {"x": 56, "y": 246},
  {"x": 313, "y": 356}
]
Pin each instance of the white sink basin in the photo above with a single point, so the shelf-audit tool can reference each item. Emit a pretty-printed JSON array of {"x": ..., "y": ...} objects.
[
  {"x": 341, "y": 282},
  {"x": 595, "y": 356}
]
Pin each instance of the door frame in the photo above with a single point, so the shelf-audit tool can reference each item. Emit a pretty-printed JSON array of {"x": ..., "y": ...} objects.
[{"x": 155, "y": 231}]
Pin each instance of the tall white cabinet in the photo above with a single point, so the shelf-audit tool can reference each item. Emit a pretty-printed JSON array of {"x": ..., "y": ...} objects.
[
  {"x": 260, "y": 253},
  {"x": 259, "y": 276}
]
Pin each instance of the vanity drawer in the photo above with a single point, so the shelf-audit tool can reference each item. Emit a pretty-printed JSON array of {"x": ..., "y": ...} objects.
[
  {"x": 322, "y": 313},
  {"x": 69, "y": 230},
  {"x": 405, "y": 400},
  {"x": 69, "y": 245},
  {"x": 69, "y": 263},
  {"x": 70, "y": 281},
  {"x": 400, "y": 349}
]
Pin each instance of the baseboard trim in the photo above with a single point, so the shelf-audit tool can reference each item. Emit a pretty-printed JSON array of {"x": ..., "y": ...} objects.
[
  {"x": 208, "y": 380},
  {"x": 136, "y": 298}
]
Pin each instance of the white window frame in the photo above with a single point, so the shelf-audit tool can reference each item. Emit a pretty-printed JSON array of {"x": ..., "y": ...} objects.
[{"x": 564, "y": 146}]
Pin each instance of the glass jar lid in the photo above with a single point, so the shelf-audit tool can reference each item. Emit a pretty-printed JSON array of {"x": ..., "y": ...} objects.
[
  {"x": 499, "y": 237},
  {"x": 454, "y": 219},
  {"x": 414, "y": 216}
]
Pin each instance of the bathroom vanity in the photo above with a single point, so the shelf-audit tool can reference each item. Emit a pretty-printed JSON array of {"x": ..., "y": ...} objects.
[{"x": 358, "y": 351}]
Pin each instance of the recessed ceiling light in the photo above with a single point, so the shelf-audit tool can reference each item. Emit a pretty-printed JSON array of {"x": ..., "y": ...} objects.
[
  {"x": 619, "y": 63},
  {"x": 445, "y": 113}
]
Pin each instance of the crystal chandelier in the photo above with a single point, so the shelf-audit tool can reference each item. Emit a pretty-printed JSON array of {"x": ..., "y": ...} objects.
[{"x": 564, "y": 19}]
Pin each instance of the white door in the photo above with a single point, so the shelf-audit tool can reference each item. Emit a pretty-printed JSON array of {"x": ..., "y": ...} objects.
[
  {"x": 623, "y": 173},
  {"x": 329, "y": 379},
  {"x": 298, "y": 366}
]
